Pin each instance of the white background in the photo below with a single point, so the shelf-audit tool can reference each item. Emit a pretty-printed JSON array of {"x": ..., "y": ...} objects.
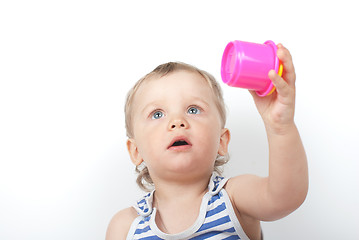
[{"x": 65, "y": 67}]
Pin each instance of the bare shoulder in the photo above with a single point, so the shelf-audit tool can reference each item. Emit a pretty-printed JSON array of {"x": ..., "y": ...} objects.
[
  {"x": 241, "y": 191},
  {"x": 246, "y": 183},
  {"x": 248, "y": 192},
  {"x": 120, "y": 224}
]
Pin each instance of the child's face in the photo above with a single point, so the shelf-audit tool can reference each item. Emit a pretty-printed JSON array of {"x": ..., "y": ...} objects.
[{"x": 176, "y": 125}]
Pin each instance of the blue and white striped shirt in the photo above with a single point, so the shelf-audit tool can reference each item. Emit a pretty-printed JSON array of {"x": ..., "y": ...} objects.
[{"x": 216, "y": 221}]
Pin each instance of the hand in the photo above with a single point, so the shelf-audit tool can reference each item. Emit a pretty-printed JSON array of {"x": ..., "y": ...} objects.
[{"x": 277, "y": 109}]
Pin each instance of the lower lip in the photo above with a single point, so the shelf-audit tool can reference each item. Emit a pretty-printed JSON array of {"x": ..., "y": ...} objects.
[{"x": 180, "y": 148}]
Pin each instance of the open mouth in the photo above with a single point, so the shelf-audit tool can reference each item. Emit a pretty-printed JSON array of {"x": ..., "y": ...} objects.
[{"x": 180, "y": 143}]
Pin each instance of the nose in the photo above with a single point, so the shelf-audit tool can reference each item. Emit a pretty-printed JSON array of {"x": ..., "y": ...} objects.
[{"x": 178, "y": 123}]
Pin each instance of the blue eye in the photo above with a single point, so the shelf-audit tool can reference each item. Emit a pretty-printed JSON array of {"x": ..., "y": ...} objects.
[
  {"x": 193, "y": 110},
  {"x": 157, "y": 115}
]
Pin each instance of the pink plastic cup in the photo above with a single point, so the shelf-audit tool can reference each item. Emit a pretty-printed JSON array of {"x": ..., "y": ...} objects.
[{"x": 246, "y": 65}]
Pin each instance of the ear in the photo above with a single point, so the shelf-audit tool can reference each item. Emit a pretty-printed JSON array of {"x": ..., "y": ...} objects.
[
  {"x": 224, "y": 141},
  {"x": 133, "y": 151}
]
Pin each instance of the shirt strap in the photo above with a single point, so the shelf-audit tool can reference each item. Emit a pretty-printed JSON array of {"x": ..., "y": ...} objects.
[
  {"x": 144, "y": 205},
  {"x": 216, "y": 183}
]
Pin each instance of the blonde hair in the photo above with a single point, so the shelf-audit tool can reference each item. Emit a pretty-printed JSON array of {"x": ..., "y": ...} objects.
[{"x": 144, "y": 180}]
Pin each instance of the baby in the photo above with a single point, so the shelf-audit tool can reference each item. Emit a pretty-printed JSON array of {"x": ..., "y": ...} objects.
[{"x": 175, "y": 120}]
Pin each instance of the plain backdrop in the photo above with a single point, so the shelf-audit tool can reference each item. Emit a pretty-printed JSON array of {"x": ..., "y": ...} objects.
[{"x": 66, "y": 66}]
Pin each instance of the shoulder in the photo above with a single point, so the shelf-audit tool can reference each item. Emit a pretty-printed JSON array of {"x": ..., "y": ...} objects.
[
  {"x": 120, "y": 224},
  {"x": 240, "y": 191},
  {"x": 248, "y": 195},
  {"x": 244, "y": 182}
]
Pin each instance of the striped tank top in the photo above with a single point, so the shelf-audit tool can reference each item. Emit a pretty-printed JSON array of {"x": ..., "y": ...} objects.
[{"x": 216, "y": 221}]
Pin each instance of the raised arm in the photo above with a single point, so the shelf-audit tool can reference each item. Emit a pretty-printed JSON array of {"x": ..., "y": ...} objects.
[{"x": 286, "y": 186}]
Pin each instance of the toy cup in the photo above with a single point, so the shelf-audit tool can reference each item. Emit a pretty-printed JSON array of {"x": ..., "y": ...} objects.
[{"x": 246, "y": 65}]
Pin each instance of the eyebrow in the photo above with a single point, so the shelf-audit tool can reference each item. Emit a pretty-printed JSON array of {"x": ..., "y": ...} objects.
[
  {"x": 201, "y": 100},
  {"x": 151, "y": 104}
]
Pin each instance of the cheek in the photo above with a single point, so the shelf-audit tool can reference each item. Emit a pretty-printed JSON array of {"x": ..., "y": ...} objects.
[
  {"x": 148, "y": 141},
  {"x": 210, "y": 137}
]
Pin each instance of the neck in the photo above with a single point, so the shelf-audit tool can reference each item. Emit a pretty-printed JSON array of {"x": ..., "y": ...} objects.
[{"x": 180, "y": 190}]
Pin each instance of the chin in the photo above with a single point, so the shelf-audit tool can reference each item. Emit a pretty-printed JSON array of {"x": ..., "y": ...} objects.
[{"x": 190, "y": 166}]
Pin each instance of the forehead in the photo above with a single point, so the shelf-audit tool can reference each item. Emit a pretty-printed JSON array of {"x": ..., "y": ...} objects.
[{"x": 180, "y": 84}]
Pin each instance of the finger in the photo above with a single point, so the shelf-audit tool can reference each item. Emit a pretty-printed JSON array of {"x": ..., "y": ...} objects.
[
  {"x": 280, "y": 84},
  {"x": 253, "y": 93},
  {"x": 286, "y": 59}
]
